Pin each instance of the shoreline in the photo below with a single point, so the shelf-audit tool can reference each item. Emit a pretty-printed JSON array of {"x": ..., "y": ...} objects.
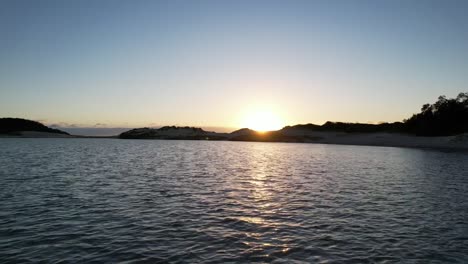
[{"x": 458, "y": 142}]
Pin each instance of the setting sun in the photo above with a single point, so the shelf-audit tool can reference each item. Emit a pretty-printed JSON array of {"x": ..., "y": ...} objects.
[{"x": 263, "y": 121}]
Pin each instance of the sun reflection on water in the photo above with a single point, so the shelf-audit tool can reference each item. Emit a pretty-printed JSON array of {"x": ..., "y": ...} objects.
[{"x": 263, "y": 201}]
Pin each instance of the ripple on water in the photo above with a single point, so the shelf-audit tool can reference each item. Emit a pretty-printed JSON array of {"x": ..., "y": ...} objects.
[{"x": 91, "y": 200}]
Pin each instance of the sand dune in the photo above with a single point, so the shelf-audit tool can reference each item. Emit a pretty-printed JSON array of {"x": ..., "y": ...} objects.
[{"x": 382, "y": 139}]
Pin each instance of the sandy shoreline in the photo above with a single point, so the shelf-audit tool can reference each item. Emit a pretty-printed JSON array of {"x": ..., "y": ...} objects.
[
  {"x": 383, "y": 139},
  {"x": 458, "y": 142}
]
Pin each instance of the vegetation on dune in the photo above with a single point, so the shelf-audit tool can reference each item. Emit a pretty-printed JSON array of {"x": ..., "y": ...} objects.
[
  {"x": 172, "y": 132},
  {"x": 446, "y": 117},
  {"x": 353, "y": 127},
  {"x": 443, "y": 118}
]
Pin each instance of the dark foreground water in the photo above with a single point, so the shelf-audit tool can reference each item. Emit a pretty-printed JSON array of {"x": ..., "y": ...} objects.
[{"x": 103, "y": 200}]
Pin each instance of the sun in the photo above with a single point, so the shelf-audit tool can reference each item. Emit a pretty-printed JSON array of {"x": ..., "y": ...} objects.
[{"x": 262, "y": 121}]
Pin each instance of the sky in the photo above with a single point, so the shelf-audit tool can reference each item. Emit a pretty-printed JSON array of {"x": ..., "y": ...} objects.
[{"x": 114, "y": 64}]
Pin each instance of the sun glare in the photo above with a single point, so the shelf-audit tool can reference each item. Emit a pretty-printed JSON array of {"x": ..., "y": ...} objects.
[{"x": 263, "y": 121}]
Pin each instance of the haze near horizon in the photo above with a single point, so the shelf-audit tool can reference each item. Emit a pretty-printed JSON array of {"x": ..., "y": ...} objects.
[{"x": 257, "y": 64}]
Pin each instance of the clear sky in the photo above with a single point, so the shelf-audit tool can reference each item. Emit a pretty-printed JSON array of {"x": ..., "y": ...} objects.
[{"x": 212, "y": 63}]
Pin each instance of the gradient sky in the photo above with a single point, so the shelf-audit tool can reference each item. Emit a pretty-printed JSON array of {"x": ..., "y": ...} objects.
[{"x": 211, "y": 63}]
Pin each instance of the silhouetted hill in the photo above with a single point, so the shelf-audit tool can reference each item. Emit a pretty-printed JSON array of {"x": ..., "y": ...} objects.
[
  {"x": 446, "y": 117},
  {"x": 172, "y": 132},
  {"x": 351, "y": 127},
  {"x": 16, "y": 125}
]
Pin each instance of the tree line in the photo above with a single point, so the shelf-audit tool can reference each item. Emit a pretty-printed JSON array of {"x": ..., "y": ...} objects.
[{"x": 443, "y": 118}]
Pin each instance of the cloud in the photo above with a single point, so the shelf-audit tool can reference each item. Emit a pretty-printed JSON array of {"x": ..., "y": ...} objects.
[{"x": 63, "y": 124}]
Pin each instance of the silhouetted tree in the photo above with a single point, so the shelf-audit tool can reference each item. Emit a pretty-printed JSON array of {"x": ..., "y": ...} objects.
[{"x": 443, "y": 118}]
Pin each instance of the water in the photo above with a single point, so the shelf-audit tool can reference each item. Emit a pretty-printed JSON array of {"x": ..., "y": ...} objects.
[{"x": 104, "y": 200}]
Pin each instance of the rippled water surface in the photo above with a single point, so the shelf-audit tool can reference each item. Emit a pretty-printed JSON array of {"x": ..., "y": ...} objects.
[{"x": 105, "y": 200}]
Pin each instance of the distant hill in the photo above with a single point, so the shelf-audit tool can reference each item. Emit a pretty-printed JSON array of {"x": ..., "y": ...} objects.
[
  {"x": 13, "y": 126},
  {"x": 351, "y": 127},
  {"x": 172, "y": 132},
  {"x": 445, "y": 117}
]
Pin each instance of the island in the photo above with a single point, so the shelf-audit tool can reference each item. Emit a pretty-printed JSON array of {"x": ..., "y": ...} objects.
[{"x": 19, "y": 127}]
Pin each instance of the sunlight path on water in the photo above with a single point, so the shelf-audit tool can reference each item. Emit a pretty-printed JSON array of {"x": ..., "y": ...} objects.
[{"x": 85, "y": 200}]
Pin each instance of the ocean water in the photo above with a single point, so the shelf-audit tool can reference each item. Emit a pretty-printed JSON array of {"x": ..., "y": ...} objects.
[{"x": 155, "y": 201}]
